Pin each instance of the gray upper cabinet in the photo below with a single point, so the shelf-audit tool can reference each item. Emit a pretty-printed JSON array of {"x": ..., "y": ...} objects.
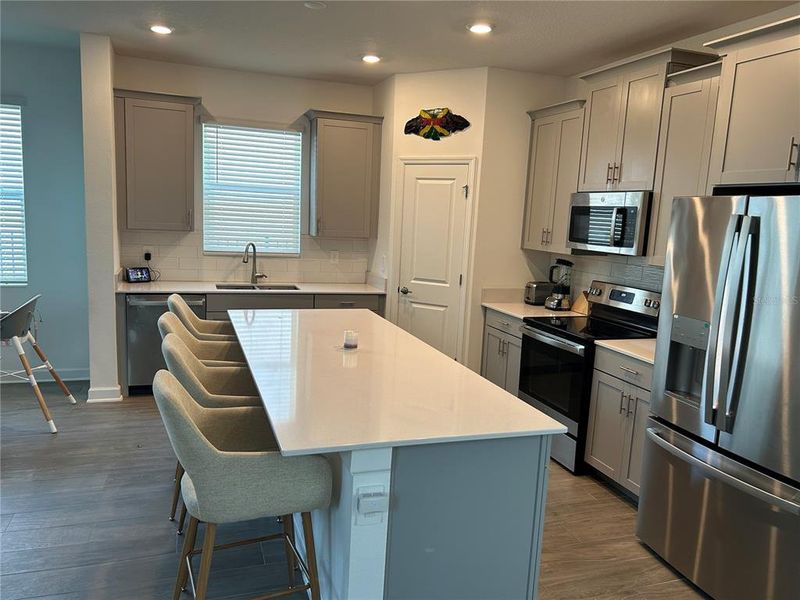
[
  {"x": 552, "y": 175},
  {"x": 758, "y": 122},
  {"x": 623, "y": 114},
  {"x": 155, "y": 163},
  {"x": 684, "y": 149},
  {"x": 344, "y": 174}
]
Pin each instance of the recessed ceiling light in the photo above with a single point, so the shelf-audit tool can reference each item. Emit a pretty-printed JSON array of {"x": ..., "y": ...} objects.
[
  {"x": 161, "y": 29},
  {"x": 480, "y": 28},
  {"x": 371, "y": 58},
  {"x": 315, "y": 4}
]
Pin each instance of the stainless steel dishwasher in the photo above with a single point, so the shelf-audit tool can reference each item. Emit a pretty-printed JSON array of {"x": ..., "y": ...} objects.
[{"x": 142, "y": 338}]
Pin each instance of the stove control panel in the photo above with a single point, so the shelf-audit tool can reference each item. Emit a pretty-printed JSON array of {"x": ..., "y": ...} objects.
[{"x": 629, "y": 298}]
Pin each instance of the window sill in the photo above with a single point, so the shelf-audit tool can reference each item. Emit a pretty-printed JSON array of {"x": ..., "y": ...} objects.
[{"x": 259, "y": 254}]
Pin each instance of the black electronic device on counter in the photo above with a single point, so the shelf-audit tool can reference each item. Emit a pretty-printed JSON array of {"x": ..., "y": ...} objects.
[{"x": 137, "y": 274}]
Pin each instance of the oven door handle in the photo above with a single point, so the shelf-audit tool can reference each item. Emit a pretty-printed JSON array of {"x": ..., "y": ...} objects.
[{"x": 552, "y": 340}]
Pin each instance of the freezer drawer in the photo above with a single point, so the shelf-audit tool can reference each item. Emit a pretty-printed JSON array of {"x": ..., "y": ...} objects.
[
  {"x": 733, "y": 531},
  {"x": 142, "y": 337}
]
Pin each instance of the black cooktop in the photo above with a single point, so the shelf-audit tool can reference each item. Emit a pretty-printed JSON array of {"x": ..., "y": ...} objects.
[{"x": 583, "y": 329}]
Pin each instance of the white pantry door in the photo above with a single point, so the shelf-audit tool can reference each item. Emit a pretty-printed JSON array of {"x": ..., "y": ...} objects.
[{"x": 433, "y": 248}]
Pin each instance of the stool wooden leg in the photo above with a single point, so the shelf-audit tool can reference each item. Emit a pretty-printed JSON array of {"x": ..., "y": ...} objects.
[
  {"x": 288, "y": 530},
  {"x": 182, "y": 520},
  {"x": 183, "y": 569},
  {"x": 35, "y": 386},
  {"x": 205, "y": 561},
  {"x": 53, "y": 373},
  {"x": 311, "y": 556},
  {"x": 176, "y": 491}
]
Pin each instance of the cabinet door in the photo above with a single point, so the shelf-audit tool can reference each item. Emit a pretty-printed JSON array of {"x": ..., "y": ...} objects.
[
  {"x": 494, "y": 361},
  {"x": 600, "y": 135},
  {"x": 513, "y": 358},
  {"x": 344, "y": 188},
  {"x": 637, "y": 137},
  {"x": 541, "y": 179},
  {"x": 606, "y": 433},
  {"x": 687, "y": 124},
  {"x": 159, "y": 165},
  {"x": 759, "y": 114},
  {"x": 566, "y": 178},
  {"x": 638, "y": 409}
]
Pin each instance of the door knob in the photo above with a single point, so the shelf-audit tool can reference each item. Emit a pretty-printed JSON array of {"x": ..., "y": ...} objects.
[{"x": 404, "y": 290}]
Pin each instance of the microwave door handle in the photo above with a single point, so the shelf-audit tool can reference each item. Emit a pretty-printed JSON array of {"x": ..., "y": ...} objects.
[
  {"x": 739, "y": 343},
  {"x": 710, "y": 374}
]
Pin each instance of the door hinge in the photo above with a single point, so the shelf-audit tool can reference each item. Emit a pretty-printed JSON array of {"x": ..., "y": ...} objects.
[
  {"x": 466, "y": 190},
  {"x": 460, "y": 279}
]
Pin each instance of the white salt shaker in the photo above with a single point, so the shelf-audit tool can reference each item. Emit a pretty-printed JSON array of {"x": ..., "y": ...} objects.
[{"x": 350, "y": 339}]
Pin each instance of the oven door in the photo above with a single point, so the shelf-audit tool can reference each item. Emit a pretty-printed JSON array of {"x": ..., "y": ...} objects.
[{"x": 553, "y": 375}]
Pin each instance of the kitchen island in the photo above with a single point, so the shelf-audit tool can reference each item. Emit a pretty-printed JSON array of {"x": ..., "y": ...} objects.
[{"x": 440, "y": 476}]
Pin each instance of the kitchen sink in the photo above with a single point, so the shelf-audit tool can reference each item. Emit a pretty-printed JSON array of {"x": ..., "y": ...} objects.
[
  {"x": 235, "y": 286},
  {"x": 277, "y": 286},
  {"x": 250, "y": 286}
]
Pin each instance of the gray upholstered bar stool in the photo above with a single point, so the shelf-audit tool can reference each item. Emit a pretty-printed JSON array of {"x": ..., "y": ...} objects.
[
  {"x": 210, "y": 387},
  {"x": 211, "y": 354},
  {"x": 231, "y": 485},
  {"x": 202, "y": 329}
]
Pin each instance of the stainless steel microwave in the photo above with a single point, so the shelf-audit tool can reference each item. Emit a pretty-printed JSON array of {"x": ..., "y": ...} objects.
[{"x": 610, "y": 222}]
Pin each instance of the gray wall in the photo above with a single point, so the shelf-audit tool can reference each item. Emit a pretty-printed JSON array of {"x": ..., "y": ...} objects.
[{"x": 47, "y": 81}]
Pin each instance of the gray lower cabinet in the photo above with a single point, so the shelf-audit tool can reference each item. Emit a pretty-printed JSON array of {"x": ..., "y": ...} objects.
[
  {"x": 220, "y": 304},
  {"x": 617, "y": 423},
  {"x": 501, "y": 358},
  {"x": 371, "y": 302}
]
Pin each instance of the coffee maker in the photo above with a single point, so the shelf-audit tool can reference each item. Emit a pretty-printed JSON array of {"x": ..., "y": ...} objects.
[{"x": 560, "y": 275}]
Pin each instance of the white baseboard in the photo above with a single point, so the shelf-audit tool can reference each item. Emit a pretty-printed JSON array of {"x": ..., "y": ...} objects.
[{"x": 105, "y": 394}]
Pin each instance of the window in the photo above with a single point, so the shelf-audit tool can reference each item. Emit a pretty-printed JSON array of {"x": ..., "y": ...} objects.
[
  {"x": 251, "y": 189},
  {"x": 13, "y": 253}
]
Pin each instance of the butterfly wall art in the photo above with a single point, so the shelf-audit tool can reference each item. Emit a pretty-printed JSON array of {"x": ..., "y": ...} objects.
[{"x": 435, "y": 123}]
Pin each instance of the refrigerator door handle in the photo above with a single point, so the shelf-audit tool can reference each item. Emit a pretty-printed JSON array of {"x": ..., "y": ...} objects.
[
  {"x": 711, "y": 370},
  {"x": 715, "y": 473},
  {"x": 739, "y": 343}
]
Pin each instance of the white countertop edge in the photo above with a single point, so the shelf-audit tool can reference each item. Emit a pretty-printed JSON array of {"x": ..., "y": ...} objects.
[
  {"x": 209, "y": 287},
  {"x": 520, "y": 310},
  {"x": 424, "y": 441},
  {"x": 624, "y": 347}
]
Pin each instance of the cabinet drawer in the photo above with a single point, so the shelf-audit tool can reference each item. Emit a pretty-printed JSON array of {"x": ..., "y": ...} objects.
[
  {"x": 347, "y": 301},
  {"x": 223, "y": 302},
  {"x": 629, "y": 369},
  {"x": 504, "y": 323}
]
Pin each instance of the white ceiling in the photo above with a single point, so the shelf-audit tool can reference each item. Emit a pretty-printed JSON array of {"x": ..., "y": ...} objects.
[{"x": 286, "y": 38}]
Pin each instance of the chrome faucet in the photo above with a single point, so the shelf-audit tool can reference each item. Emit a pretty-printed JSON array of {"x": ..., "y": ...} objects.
[{"x": 254, "y": 276}]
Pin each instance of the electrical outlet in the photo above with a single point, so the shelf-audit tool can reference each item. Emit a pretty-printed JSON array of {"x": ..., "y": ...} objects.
[
  {"x": 148, "y": 254},
  {"x": 334, "y": 257}
]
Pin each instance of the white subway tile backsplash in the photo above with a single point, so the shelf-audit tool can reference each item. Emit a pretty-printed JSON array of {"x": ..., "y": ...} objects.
[
  {"x": 180, "y": 257},
  {"x": 625, "y": 270}
]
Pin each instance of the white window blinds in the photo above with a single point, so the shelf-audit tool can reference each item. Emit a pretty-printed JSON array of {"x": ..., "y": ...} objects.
[
  {"x": 13, "y": 253},
  {"x": 251, "y": 189}
]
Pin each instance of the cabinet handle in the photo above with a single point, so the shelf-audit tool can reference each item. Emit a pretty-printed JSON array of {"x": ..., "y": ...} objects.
[
  {"x": 499, "y": 347},
  {"x": 630, "y": 399},
  {"x": 792, "y": 146},
  {"x": 608, "y": 173},
  {"x": 541, "y": 240},
  {"x": 615, "y": 173},
  {"x": 621, "y": 401},
  {"x": 347, "y": 303},
  {"x": 549, "y": 236},
  {"x": 629, "y": 370}
]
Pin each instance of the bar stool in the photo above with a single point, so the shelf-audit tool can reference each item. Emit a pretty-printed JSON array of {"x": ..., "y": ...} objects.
[
  {"x": 211, "y": 354},
  {"x": 202, "y": 329},
  {"x": 210, "y": 387},
  {"x": 236, "y": 484},
  {"x": 15, "y": 329}
]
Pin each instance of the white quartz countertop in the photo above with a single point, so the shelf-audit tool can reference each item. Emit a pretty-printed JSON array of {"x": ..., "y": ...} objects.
[
  {"x": 209, "y": 287},
  {"x": 394, "y": 390},
  {"x": 520, "y": 310},
  {"x": 642, "y": 349}
]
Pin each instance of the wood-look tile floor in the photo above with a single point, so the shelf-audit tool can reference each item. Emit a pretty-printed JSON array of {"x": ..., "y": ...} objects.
[{"x": 83, "y": 516}]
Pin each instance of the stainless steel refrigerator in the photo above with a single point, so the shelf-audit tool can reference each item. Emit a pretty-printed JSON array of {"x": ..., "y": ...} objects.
[{"x": 720, "y": 493}]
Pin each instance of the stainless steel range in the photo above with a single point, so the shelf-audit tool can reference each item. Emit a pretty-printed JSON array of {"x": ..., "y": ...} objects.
[{"x": 558, "y": 358}]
